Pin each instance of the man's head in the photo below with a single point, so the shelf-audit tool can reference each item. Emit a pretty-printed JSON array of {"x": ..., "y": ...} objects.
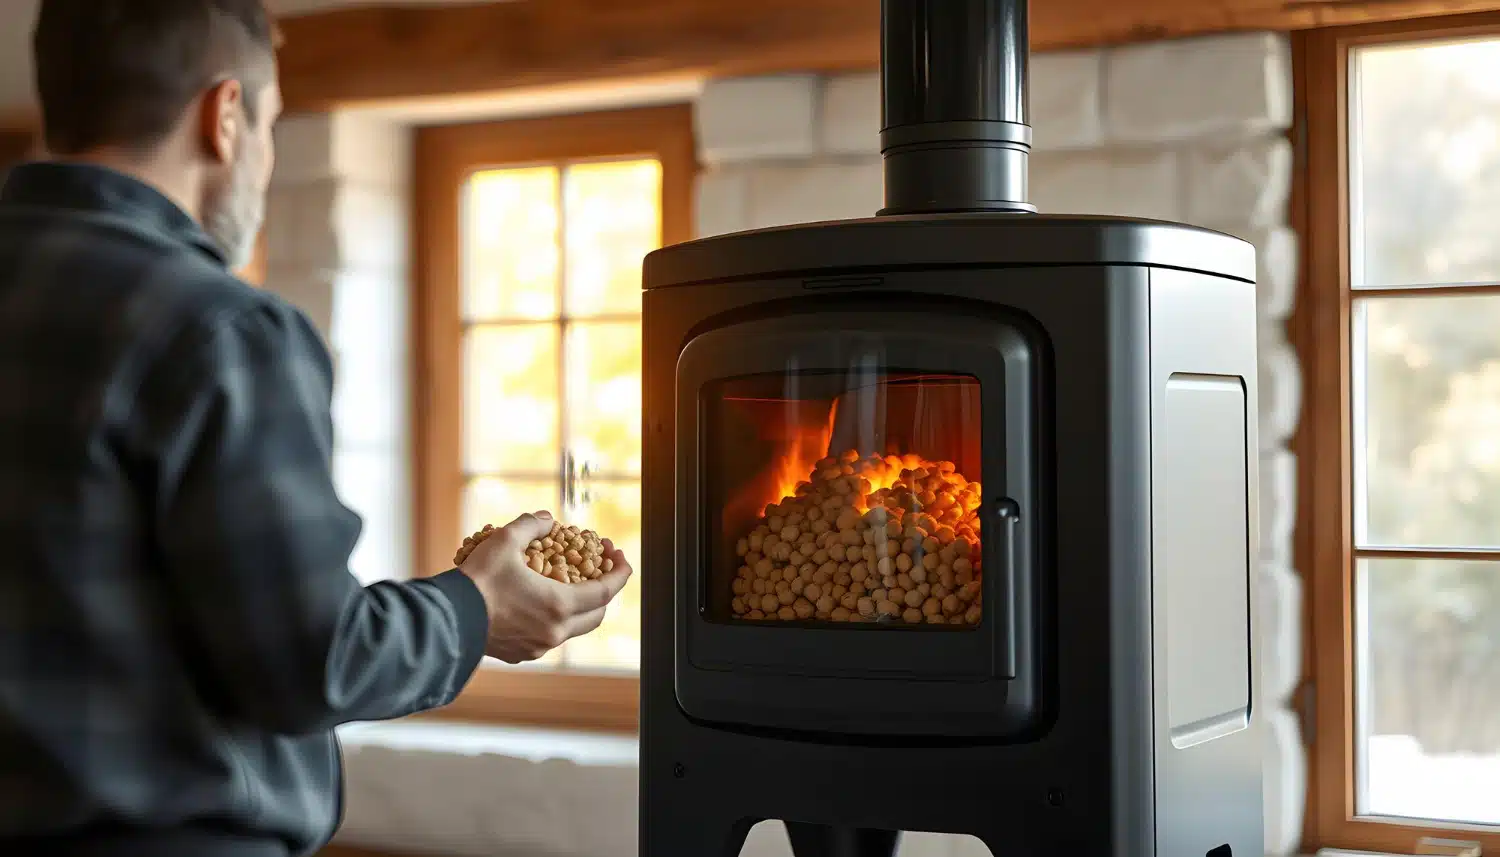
[{"x": 184, "y": 90}]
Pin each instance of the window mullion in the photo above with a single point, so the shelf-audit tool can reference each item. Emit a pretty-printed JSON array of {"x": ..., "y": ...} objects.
[{"x": 561, "y": 322}]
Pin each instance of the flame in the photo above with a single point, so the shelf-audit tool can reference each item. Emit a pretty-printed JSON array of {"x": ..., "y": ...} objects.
[
  {"x": 797, "y": 465},
  {"x": 804, "y": 451}
]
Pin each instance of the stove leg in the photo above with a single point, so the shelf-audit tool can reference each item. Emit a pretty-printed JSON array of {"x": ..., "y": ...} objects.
[
  {"x": 824, "y": 840},
  {"x": 709, "y": 837}
]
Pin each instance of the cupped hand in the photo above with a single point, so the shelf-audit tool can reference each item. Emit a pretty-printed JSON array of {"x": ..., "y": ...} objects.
[{"x": 530, "y": 614}]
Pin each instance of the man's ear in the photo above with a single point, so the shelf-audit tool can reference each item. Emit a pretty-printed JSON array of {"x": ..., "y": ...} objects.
[{"x": 219, "y": 119}]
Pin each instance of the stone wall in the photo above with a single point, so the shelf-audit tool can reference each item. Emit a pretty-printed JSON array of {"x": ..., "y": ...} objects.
[
  {"x": 1191, "y": 130},
  {"x": 337, "y": 245}
]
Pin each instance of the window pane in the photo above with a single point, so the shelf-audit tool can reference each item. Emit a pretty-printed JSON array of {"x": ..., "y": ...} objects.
[
  {"x": 1428, "y": 637},
  {"x": 613, "y": 221},
  {"x": 511, "y": 399},
  {"x": 1425, "y": 169},
  {"x": 1427, "y": 421},
  {"x": 498, "y": 501},
  {"x": 510, "y": 244},
  {"x": 604, "y": 396},
  {"x": 613, "y": 510}
]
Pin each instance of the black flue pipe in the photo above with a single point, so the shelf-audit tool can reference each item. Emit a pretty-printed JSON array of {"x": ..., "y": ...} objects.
[{"x": 954, "y": 105}]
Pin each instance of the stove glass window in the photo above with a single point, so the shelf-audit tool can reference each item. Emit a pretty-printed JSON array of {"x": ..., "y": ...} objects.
[{"x": 844, "y": 499}]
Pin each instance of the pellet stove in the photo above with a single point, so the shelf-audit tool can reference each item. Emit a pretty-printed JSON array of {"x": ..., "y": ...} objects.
[{"x": 950, "y": 513}]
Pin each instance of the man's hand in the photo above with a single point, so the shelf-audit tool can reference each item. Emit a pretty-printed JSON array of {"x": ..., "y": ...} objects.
[{"x": 530, "y": 615}]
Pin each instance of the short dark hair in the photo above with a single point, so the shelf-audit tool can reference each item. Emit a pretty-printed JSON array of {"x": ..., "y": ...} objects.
[{"x": 120, "y": 72}]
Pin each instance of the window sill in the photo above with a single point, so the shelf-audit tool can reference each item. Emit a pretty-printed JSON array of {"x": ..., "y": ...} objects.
[{"x": 415, "y": 786}]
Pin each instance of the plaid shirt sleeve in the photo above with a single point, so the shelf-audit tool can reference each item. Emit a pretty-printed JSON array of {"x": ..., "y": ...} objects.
[{"x": 235, "y": 429}]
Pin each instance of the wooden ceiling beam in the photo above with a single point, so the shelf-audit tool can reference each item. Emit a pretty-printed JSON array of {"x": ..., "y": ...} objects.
[
  {"x": 392, "y": 53},
  {"x": 380, "y": 54}
]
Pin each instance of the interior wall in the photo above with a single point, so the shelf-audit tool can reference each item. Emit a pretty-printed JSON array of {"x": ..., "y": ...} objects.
[{"x": 1189, "y": 130}]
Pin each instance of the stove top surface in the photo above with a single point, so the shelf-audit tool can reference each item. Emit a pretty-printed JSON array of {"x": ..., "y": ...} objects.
[{"x": 875, "y": 244}]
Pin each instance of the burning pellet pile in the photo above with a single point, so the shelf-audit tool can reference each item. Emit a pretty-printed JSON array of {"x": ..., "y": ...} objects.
[
  {"x": 843, "y": 550},
  {"x": 567, "y": 554}
]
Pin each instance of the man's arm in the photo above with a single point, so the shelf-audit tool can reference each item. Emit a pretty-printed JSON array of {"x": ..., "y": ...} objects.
[{"x": 255, "y": 542}]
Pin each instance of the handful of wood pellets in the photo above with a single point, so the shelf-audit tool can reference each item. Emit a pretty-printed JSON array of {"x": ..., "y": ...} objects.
[{"x": 567, "y": 554}]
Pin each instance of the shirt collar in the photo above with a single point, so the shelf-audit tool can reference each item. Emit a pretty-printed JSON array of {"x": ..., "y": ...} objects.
[{"x": 94, "y": 188}]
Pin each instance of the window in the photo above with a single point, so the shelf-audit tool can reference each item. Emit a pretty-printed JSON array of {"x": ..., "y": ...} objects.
[
  {"x": 1400, "y": 447},
  {"x": 531, "y": 237}
]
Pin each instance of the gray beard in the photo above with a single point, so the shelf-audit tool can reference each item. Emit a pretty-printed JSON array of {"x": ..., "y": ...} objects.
[{"x": 234, "y": 219}]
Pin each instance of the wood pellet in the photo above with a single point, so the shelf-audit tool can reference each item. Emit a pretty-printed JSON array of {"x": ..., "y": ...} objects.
[
  {"x": 567, "y": 554},
  {"x": 843, "y": 550}
]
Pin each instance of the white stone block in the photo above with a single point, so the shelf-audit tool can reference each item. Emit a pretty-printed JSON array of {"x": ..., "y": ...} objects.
[
  {"x": 304, "y": 148},
  {"x": 372, "y": 150},
  {"x": 1246, "y": 184},
  {"x": 1065, "y": 99},
  {"x": 283, "y": 215},
  {"x": 782, "y": 195},
  {"x": 850, "y": 120},
  {"x": 350, "y": 145},
  {"x": 723, "y": 201},
  {"x": 1276, "y": 263},
  {"x": 1280, "y": 377},
  {"x": 1284, "y": 783},
  {"x": 371, "y": 227},
  {"x": 1278, "y": 506},
  {"x": 1279, "y": 624},
  {"x": 302, "y": 225},
  {"x": 336, "y": 224},
  {"x": 1143, "y": 183},
  {"x": 758, "y": 118},
  {"x": 1227, "y": 85},
  {"x": 309, "y": 290}
]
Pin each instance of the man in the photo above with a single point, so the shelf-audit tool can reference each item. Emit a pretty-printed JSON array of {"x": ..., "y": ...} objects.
[{"x": 179, "y": 631}]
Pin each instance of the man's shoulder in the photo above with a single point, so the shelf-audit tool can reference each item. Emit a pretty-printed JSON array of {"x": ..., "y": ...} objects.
[{"x": 131, "y": 277}]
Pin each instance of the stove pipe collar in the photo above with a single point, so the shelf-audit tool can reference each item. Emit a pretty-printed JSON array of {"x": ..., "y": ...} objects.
[{"x": 954, "y": 106}]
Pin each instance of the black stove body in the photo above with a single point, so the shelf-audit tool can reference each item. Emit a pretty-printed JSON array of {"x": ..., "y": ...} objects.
[{"x": 950, "y": 513}]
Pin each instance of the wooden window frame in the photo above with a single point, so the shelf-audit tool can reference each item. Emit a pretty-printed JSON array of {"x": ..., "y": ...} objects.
[
  {"x": 1321, "y": 329},
  {"x": 444, "y": 157}
]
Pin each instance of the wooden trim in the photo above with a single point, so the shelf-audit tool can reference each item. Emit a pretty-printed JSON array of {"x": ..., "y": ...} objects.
[
  {"x": 1301, "y": 444},
  {"x": 445, "y": 155},
  {"x": 1459, "y": 554},
  {"x": 370, "y": 55},
  {"x": 1426, "y": 291},
  {"x": 1325, "y": 453},
  {"x": 25, "y": 119},
  {"x": 598, "y": 703}
]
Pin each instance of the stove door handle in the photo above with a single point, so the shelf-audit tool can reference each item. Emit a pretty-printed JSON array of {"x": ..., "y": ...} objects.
[{"x": 1001, "y": 606}]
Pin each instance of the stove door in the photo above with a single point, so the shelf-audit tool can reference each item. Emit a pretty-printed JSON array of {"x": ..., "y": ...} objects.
[{"x": 857, "y": 524}]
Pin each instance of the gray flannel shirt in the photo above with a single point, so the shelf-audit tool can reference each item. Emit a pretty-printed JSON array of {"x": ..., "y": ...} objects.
[{"x": 179, "y": 630}]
